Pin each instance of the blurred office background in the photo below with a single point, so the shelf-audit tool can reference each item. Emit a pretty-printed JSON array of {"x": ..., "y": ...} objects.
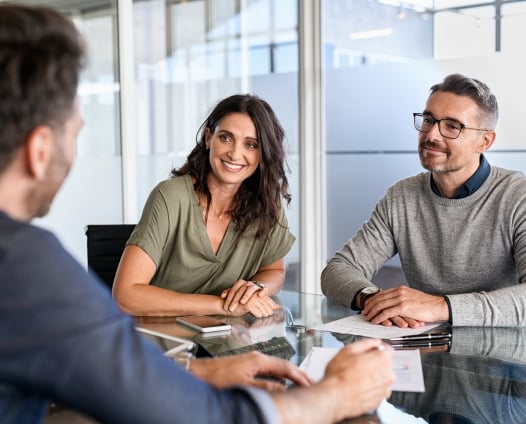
[{"x": 344, "y": 76}]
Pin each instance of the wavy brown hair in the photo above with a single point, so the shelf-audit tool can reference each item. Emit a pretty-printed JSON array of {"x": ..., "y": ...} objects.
[{"x": 258, "y": 200}]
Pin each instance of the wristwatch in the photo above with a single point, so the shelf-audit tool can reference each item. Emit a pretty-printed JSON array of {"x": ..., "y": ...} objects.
[{"x": 363, "y": 294}]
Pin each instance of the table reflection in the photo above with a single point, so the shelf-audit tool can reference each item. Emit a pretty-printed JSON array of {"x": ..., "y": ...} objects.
[{"x": 482, "y": 379}]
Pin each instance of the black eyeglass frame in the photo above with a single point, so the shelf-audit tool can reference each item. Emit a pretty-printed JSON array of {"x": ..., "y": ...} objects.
[{"x": 438, "y": 121}]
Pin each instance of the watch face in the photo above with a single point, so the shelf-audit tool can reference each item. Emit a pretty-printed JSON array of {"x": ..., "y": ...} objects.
[{"x": 370, "y": 290}]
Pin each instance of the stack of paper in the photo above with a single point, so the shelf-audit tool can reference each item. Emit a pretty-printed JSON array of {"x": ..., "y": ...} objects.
[
  {"x": 407, "y": 366},
  {"x": 357, "y": 324}
]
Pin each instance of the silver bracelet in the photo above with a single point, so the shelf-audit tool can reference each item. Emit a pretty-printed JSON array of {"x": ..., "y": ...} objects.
[{"x": 258, "y": 284}]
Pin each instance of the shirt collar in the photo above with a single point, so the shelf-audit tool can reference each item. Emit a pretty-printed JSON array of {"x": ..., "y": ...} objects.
[{"x": 472, "y": 184}]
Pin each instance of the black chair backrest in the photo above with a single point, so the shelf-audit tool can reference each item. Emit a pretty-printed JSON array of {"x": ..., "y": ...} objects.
[{"x": 105, "y": 246}]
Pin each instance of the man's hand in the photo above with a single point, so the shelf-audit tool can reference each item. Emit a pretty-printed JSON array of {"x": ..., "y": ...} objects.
[
  {"x": 249, "y": 368},
  {"x": 356, "y": 381},
  {"x": 405, "y": 307},
  {"x": 363, "y": 376}
]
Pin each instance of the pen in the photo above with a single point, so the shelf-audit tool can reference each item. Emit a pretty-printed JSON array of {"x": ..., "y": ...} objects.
[
  {"x": 418, "y": 344},
  {"x": 423, "y": 337}
]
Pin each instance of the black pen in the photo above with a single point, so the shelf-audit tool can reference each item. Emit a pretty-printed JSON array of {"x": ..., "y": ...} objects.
[
  {"x": 422, "y": 337},
  {"x": 419, "y": 344}
]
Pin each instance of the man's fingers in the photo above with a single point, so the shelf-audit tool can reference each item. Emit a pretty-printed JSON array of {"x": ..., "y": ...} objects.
[{"x": 268, "y": 384}]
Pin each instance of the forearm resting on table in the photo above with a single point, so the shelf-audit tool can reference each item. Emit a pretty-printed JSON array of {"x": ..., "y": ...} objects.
[
  {"x": 341, "y": 285},
  {"x": 148, "y": 300}
]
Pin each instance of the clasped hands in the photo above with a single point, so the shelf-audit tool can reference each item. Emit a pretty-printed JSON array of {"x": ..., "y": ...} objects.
[
  {"x": 248, "y": 297},
  {"x": 405, "y": 307}
]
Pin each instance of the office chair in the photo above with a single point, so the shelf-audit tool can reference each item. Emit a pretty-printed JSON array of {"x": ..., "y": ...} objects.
[{"x": 105, "y": 246}]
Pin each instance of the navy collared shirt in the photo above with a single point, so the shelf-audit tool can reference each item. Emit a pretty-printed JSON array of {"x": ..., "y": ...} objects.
[{"x": 472, "y": 184}]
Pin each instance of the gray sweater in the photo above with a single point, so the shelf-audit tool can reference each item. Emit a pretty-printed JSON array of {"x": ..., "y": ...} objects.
[{"x": 473, "y": 249}]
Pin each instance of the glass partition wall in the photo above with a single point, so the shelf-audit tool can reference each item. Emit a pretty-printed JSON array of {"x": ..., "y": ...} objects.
[
  {"x": 180, "y": 57},
  {"x": 156, "y": 68},
  {"x": 191, "y": 54},
  {"x": 93, "y": 191}
]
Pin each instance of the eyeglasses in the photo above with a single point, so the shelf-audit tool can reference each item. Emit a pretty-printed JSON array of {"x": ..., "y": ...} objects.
[{"x": 448, "y": 128}]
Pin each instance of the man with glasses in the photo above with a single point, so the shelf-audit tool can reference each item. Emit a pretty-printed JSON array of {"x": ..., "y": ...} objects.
[{"x": 459, "y": 229}]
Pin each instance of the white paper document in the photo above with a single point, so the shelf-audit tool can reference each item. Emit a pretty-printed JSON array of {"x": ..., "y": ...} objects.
[
  {"x": 358, "y": 325},
  {"x": 407, "y": 366},
  {"x": 389, "y": 414}
]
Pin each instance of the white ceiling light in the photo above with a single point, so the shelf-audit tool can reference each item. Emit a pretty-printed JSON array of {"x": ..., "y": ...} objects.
[{"x": 362, "y": 35}]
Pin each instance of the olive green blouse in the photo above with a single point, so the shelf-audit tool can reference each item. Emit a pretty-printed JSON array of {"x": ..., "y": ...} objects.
[{"x": 172, "y": 232}]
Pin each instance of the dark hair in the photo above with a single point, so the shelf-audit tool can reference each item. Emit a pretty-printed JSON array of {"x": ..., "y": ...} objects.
[
  {"x": 259, "y": 197},
  {"x": 477, "y": 91},
  {"x": 41, "y": 55}
]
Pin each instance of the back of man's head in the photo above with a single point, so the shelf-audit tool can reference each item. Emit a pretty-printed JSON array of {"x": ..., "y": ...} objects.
[{"x": 41, "y": 55}]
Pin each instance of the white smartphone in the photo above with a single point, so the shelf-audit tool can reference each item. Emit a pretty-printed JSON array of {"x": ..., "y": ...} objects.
[{"x": 204, "y": 323}]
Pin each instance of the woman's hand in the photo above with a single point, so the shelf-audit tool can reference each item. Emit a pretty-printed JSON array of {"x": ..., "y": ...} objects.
[
  {"x": 247, "y": 296},
  {"x": 240, "y": 293}
]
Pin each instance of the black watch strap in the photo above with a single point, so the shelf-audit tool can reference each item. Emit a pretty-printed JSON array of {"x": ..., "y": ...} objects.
[{"x": 362, "y": 296}]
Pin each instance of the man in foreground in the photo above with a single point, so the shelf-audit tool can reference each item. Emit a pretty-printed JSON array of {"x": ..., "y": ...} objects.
[
  {"x": 63, "y": 338},
  {"x": 459, "y": 229}
]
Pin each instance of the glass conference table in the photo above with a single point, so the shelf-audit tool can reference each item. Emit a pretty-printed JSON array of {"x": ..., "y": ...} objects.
[{"x": 480, "y": 379}]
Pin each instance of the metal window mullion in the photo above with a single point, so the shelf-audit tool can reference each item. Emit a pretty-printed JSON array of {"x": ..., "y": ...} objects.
[
  {"x": 127, "y": 110},
  {"x": 312, "y": 147}
]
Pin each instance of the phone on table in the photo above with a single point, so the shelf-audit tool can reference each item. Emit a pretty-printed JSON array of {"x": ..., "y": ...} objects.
[{"x": 204, "y": 323}]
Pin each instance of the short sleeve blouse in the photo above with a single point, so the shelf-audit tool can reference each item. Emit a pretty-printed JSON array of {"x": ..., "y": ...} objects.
[{"x": 172, "y": 232}]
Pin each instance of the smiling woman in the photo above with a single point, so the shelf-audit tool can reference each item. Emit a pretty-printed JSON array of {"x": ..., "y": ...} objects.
[
  {"x": 234, "y": 157},
  {"x": 217, "y": 225}
]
